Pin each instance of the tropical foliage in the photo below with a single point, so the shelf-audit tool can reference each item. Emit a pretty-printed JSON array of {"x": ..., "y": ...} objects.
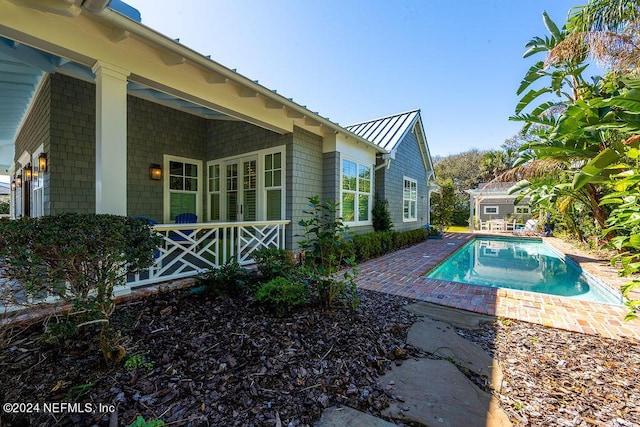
[{"x": 580, "y": 162}]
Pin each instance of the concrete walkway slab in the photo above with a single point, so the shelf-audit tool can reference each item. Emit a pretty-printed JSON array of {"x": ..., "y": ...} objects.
[
  {"x": 440, "y": 339},
  {"x": 349, "y": 417},
  {"x": 459, "y": 318},
  {"x": 436, "y": 393}
]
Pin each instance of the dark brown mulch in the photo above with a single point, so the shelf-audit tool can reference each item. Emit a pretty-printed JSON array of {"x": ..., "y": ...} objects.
[
  {"x": 554, "y": 377},
  {"x": 213, "y": 362},
  {"x": 226, "y": 363}
]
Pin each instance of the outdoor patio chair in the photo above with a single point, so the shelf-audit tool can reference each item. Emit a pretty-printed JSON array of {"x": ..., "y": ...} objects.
[
  {"x": 530, "y": 229},
  {"x": 184, "y": 218}
]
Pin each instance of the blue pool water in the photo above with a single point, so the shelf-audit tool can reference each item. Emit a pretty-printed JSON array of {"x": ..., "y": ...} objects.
[{"x": 525, "y": 264}]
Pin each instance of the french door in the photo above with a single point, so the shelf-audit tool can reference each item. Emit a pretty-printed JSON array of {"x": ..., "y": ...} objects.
[{"x": 241, "y": 189}]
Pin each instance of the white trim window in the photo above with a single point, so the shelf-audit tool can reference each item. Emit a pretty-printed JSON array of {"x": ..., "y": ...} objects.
[
  {"x": 249, "y": 187},
  {"x": 182, "y": 187},
  {"x": 215, "y": 186},
  {"x": 409, "y": 200},
  {"x": 523, "y": 210},
  {"x": 355, "y": 206},
  {"x": 491, "y": 210},
  {"x": 274, "y": 185}
]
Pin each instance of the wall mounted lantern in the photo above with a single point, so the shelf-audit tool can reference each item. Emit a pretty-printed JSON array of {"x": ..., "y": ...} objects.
[
  {"x": 13, "y": 185},
  {"x": 155, "y": 172},
  {"x": 28, "y": 173},
  {"x": 42, "y": 162},
  {"x": 18, "y": 180}
]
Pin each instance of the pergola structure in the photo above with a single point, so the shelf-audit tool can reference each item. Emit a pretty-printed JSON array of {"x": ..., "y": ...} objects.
[{"x": 492, "y": 195}]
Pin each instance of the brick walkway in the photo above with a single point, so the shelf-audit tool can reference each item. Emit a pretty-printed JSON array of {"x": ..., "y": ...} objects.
[{"x": 401, "y": 273}]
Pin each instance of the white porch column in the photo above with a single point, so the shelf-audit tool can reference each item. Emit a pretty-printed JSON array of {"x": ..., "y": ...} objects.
[{"x": 111, "y": 138}]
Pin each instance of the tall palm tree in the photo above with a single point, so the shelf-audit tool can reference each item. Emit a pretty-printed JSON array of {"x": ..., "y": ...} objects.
[
  {"x": 565, "y": 78},
  {"x": 608, "y": 29},
  {"x": 563, "y": 141}
]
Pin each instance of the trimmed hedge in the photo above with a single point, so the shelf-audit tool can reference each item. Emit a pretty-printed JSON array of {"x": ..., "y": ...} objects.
[{"x": 372, "y": 245}]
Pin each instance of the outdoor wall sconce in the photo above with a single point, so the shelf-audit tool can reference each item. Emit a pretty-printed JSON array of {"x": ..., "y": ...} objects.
[
  {"x": 42, "y": 162},
  {"x": 13, "y": 185},
  {"x": 28, "y": 173},
  {"x": 19, "y": 181},
  {"x": 155, "y": 172}
]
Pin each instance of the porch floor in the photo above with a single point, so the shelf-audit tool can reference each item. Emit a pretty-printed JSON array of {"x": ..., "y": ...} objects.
[{"x": 402, "y": 273}]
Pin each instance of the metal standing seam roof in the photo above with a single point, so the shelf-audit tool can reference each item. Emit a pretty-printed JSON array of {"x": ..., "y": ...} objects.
[{"x": 385, "y": 132}]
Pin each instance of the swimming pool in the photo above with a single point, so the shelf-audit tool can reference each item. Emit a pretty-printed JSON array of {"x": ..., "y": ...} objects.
[{"x": 524, "y": 264}]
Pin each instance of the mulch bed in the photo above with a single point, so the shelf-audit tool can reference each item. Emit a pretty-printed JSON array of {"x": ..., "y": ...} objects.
[
  {"x": 214, "y": 362},
  {"x": 228, "y": 362},
  {"x": 554, "y": 377}
]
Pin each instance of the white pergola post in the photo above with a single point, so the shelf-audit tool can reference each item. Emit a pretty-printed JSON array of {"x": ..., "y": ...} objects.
[
  {"x": 111, "y": 138},
  {"x": 472, "y": 218}
]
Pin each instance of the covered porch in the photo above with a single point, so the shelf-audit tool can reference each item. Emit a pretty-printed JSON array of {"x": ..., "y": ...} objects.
[{"x": 109, "y": 116}]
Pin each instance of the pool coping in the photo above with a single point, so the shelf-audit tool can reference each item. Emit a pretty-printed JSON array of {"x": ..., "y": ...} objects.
[{"x": 402, "y": 273}]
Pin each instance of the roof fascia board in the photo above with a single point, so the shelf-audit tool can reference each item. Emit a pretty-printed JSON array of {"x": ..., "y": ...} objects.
[
  {"x": 425, "y": 146},
  {"x": 248, "y": 85}
]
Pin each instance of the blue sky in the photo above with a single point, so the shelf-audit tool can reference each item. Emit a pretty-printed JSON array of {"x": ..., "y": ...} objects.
[{"x": 460, "y": 62}]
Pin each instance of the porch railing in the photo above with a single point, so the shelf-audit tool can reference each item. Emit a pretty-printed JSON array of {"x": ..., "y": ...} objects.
[{"x": 191, "y": 249}]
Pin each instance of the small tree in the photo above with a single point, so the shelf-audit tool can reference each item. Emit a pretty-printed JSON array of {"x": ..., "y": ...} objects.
[
  {"x": 327, "y": 248},
  {"x": 380, "y": 214},
  {"x": 443, "y": 204},
  {"x": 79, "y": 258}
]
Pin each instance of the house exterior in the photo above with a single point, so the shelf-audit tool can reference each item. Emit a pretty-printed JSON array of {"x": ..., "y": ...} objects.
[
  {"x": 491, "y": 203},
  {"x": 112, "y": 117},
  {"x": 404, "y": 174}
]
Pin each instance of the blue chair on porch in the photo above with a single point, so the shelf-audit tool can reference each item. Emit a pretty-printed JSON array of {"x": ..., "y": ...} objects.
[{"x": 184, "y": 218}]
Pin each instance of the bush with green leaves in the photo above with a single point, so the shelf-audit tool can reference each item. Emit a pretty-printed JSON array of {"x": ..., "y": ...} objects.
[
  {"x": 282, "y": 295},
  {"x": 380, "y": 215},
  {"x": 228, "y": 280},
  {"x": 4, "y": 208},
  {"x": 79, "y": 258},
  {"x": 327, "y": 248},
  {"x": 273, "y": 262}
]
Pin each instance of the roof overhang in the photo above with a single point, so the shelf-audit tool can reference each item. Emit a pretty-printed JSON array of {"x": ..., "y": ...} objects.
[{"x": 63, "y": 36}]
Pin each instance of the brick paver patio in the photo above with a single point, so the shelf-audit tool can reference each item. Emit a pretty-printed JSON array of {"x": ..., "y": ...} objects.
[{"x": 402, "y": 273}]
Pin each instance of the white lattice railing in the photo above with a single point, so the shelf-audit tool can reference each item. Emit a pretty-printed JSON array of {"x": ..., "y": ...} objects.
[{"x": 191, "y": 249}]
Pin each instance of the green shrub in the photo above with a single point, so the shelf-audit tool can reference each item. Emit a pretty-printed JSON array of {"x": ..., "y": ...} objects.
[
  {"x": 273, "y": 262},
  {"x": 282, "y": 296},
  {"x": 79, "y": 258},
  {"x": 228, "y": 280},
  {"x": 380, "y": 215},
  {"x": 327, "y": 248},
  {"x": 4, "y": 208}
]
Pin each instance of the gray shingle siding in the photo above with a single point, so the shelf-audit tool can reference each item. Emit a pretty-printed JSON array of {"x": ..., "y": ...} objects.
[
  {"x": 152, "y": 131},
  {"x": 304, "y": 179},
  {"x": 35, "y": 131},
  {"x": 408, "y": 162},
  {"x": 72, "y": 146},
  {"x": 230, "y": 138},
  {"x": 331, "y": 176}
]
